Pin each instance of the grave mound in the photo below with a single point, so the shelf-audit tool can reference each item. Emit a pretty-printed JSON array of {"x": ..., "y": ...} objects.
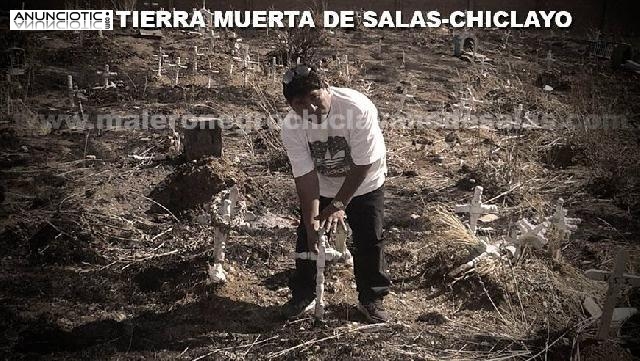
[{"x": 193, "y": 185}]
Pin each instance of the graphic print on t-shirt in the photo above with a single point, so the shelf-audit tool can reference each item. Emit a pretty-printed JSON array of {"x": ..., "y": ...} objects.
[{"x": 331, "y": 158}]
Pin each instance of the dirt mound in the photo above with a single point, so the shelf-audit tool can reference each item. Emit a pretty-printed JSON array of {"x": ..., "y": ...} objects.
[
  {"x": 61, "y": 244},
  {"x": 193, "y": 185}
]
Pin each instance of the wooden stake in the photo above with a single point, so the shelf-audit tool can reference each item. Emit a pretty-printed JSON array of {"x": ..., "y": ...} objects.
[{"x": 616, "y": 279}]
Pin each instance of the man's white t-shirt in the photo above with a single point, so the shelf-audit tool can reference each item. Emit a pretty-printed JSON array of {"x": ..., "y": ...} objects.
[{"x": 350, "y": 134}]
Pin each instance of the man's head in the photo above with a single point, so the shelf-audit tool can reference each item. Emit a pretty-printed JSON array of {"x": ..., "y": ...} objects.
[{"x": 306, "y": 91}]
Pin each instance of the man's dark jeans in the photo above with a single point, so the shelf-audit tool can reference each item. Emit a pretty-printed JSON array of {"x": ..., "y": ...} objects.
[{"x": 365, "y": 217}]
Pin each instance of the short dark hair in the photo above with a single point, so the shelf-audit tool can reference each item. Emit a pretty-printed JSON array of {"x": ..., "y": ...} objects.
[{"x": 303, "y": 85}]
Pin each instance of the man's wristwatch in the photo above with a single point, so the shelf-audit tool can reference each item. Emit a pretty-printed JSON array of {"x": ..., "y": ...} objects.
[{"x": 338, "y": 205}]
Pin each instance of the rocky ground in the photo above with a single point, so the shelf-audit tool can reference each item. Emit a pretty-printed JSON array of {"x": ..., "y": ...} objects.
[{"x": 104, "y": 255}]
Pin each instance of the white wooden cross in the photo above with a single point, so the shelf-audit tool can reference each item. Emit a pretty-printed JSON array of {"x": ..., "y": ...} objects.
[
  {"x": 161, "y": 60},
  {"x": 346, "y": 64},
  {"x": 564, "y": 224},
  {"x": 617, "y": 279},
  {"x": 70, "y": 90},
  {"x": 106, "y": 74},
  {"x": 178, "y": 66},
  {"x": 273, "y": 69},
  {"x": 549, "y": 59},
  {"x": 222, "y": 222},
  {"x": 246, "y": 59},
  {"x": 75, "y": 93},
  {"x": 475, "y": 209},
  {"x": 530, "y": 234},
  {"x": 195, "y": 59},
  {"x": 212, "y": 41}
]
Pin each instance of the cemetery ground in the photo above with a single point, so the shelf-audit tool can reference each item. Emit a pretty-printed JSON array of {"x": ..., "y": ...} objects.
[{"x": 105, "y": 245}]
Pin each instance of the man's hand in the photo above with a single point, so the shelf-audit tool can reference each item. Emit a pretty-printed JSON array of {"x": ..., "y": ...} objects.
[{"x": 331, "y": 217}]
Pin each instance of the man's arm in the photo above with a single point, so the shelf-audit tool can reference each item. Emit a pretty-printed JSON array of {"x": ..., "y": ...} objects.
[
  {"x": 331, "y": 217},
  {"x": 308, "y": 190},
  {"x": 352, "y": 181}
]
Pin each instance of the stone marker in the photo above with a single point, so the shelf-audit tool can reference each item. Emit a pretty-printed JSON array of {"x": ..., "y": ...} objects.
[{"x": 202, "y": 138}]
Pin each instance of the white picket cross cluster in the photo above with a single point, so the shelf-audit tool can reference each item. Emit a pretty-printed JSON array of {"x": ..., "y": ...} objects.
[{"x": 527, "y": 233}]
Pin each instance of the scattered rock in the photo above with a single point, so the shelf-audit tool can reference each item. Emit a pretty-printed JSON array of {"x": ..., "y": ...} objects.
[{"x": 432, "y": 318}]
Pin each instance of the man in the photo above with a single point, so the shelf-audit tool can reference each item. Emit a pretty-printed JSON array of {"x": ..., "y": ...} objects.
[{"x": 338, "y": 157}]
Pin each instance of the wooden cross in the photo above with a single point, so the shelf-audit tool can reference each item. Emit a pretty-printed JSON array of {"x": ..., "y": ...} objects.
[
  {"x": 161, "y": 59},
  {"x": 106, "y": 74},
  {"x": 195, "y": 59},
  {"x": 616, "y": 280},
  {"x": 212, "y": 41},
  {"x": 562, "y": 222},
  {"x": 549, "y": 59},
  {"x": 178, "y": 66},
  {"x": 346, "y": 64},
  {"x": 531, "y": 234},
  {"x": 273, "y": 69},
  {"x": 222, "y": 223},
  {"x": 475, "y": 209},
  {"x": 70, "y": 90}
]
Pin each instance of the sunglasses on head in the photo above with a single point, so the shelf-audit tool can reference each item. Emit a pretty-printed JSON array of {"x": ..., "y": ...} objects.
[{"x": 299, "y": 71}]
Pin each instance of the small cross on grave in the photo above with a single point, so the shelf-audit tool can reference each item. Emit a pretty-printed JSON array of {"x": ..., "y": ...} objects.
[
  {"x": 70, "y": 90},
  {"x": 475, "y": 209},
  {"x": 75, "y": 93},
  {"x": 178, "y": 66},
  {"x": 273, "y": 69},
  {"x": 17, "y": 64},
  {"x": 616, "y": 279},
  {"x": 212, "y": 41},
  {"x": 530, "y": 234},
  {"x": 549, "y": 59},
  {"x": 161, "y": 60},
  {"x": 222, "y": 220},
  {"x": 563, "y": 223},
  {"x": 106, "y": 74},
  {"x": 346, "y": 66},
  {"x": 195, "y": 59}
]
